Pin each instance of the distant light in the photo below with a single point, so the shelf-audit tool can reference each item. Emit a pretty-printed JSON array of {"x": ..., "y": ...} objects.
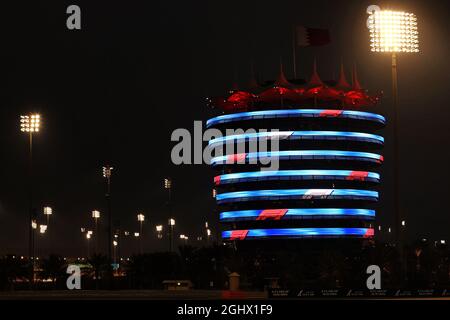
[
  {"x": 393, "y": 31},
  {"x": 182, "y": 236},
  {"x": 159, "y": 228},
  {"x": 424, "y": 240},
  {"x": 90, "y": 232},
  {"x": 403, "y": 223},
  {"x": 136, "y": 234},
  {"x": 88, "y": 236},
  {"x": 83, "y": 230},
  {"x": 42, "y": 228},
  {"x": 208, "y": 232},
  {"x": 214, "y": 193},
  {"x": 167, "y": 183},
  {"x": 107, "y": 172},
  {"x": 206, "y": 224},
  {"x": 171, "y": 222},
  {"x": 48, "y": 211},
  {"x": 126, "y": 233},
  {"x": 389, "y": 230},
  {"x": 116, "y": 236},
  {"x": 115, "y": 243},
  {"x": 442, "y": 241},
  {"x": 379, "y": 228},
  {"x": 95, "y": 214},
  {"x": 34, "y": 224},
  {"x": 141, "y": 217}
]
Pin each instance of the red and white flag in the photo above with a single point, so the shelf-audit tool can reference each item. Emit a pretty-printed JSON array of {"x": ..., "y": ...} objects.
[{"x": 307, "y": 37}]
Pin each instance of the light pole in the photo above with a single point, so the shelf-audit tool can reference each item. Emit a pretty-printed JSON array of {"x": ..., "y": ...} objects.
[
  {"x": 159, "y": 229},
  {"x": 208, "y": 235},
  {"x": 48, "y": 212},
  {"x": 184, "y": 238},
  {"x": 168, "y": 187},
  {"x": 88, "y": 238},
  {"x": 207, "y": 232},
  {"x": 115, "y": 243},
  {"x": 137, "y": 235},
  {"x": 107, "y": 170},
  {"x": 171, "y": 227},
  {"x": 394, "y": 32},
  {"x": 141, "y": 219},
  {"x": 96, "y": 216},
  {"x": 30, "y": 124},
  {"x": 42, "y": 230}
]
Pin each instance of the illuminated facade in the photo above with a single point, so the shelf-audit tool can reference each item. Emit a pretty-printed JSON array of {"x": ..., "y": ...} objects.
[{"x": 329, "y": 153}]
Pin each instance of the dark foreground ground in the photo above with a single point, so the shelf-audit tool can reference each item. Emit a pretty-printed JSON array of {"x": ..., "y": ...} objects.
[
  {"x": 130, "y": 295},
  {"x": 157, "y": 295}
]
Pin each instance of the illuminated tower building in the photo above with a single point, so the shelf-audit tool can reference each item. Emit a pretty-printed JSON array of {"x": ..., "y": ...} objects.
[{"x": 329, "y": 155}]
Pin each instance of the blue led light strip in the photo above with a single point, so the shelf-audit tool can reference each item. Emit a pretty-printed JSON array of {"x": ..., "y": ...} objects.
[
  {"x": 270, "y": 114},
  {"x": 300, "y": 135},
  {"x": 297, "y": 175},
  {"x": 307, "y": 213},
  {"x": 303, "y": 155},
  {"x": 353, "y": 194},
  {"x": 297, "y": 233}
]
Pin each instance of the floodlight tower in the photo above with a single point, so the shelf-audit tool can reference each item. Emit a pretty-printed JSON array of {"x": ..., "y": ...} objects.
[
  {"x": 107, "y": 170},
  {"x": 30, "y": 124},
  {"x": 394, "y": 32}
]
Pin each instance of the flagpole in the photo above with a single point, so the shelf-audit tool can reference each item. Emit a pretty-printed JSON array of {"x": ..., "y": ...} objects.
[{"x": 294, "y": 60}]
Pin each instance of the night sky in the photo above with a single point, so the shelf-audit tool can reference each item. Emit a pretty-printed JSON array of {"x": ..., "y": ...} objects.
[{"x": 114, "y": 91}]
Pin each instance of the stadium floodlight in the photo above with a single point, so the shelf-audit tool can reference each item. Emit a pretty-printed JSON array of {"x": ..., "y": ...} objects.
[
  {"x": 393, "y": 31},
  {"x": 30, "y": 123}
]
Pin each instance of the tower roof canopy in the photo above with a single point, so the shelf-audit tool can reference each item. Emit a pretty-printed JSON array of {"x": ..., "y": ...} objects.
[
  {"x": 342, "y": 82},
  {"x": 315, "y": 80}
]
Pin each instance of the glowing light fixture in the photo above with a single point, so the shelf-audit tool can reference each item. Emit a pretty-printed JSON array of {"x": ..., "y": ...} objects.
[
  {"x": 167, "y": 183},
  {"x": 30, "y": 123},
  {"x": 107, "y": 172},
  {"x": 42, "y": 228},
  {"x": 96, "y": 214},
  {"x": 393, "y": 31}
]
